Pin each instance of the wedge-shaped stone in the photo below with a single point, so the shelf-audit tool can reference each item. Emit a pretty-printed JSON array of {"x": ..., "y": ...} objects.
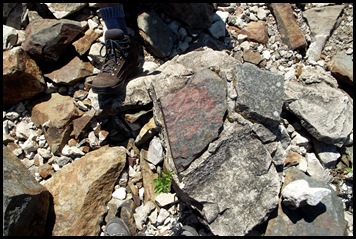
[
  {"x": 236, "y": 187},
  {"x": 288, "y": 26}
]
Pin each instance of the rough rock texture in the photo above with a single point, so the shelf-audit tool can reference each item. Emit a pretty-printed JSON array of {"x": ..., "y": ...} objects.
[
  {"x": 298, "y": 194},
  {"x": 72, "y": 73},
  {"x": 25, "y": 201},
  {"x": 311, "y": 104},
  {"x": 56, "y": 124},
  {"x": 321, "y": 22},
  {"x": 85, "y": 185},
  {"x": 288, "y": 26},
  {"x": 256, "y": 31},
  {"x": 20, "y": 70},
  {"x": 324, "y": 219},
  {"x": 194, "y": 114},
  {"x": 148, "y": 24},
  {"x": 253, "y": 187},
  {"x": 260, "y": 94},
  {"x": 132, "y": 118},
  {"x": 341, "y": 66},
  {"x": 50, "y": 49},
  {"x": 61, "y": 10}
]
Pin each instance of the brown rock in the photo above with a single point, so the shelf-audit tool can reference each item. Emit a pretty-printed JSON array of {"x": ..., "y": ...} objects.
[
  {"x": 288, "y": 26},
  {"x": 82, "y": 123},
  {"x": 132, "y": 147},
  {"x": 72, "y": 142},
  {"x": 147, "y": 177},
  {"x": 135, "y": 194},
  {"x": 80, "y": 94},
  {"x": 147, "y": 132},
  {"x": 85, "y": 149},
  {"x": 22, "y": 78},
  {"x": 252, "y": 56},
  {"x": 82, "y": 189},
  {"x": 292, "y": 159},
  {"x": 47, "y": 39},
  {"x": 83, "y": 44},
  {"x": 256, "y": 31},
  {"x": 45, "y": 170},
  {"x": 73, "y": 72},
  {"x": 56, "y": 113}
]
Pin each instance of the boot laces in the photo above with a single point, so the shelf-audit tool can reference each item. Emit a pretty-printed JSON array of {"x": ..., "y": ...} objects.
[{"x": 114, "y": 50}]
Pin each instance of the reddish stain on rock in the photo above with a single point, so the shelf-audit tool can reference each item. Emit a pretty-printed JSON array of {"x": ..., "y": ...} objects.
[{"x": 193, "y": 116}]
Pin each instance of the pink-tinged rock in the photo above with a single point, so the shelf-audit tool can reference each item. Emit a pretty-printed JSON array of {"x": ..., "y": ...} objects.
[
  {"x": 193, "y": 116},
  {"x": 22, "y": 78},
  {"x": 288, "y": 26}
]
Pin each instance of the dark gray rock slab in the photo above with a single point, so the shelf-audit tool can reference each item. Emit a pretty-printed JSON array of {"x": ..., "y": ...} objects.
[
  {"x": 25, "y": 201},
  {"x": 259, "y": 94}
]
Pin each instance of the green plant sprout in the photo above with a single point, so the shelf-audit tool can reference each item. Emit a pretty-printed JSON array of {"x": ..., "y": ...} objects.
[
  {"x": 163, "y": 182},
  {"x": 349, "y": 170}
]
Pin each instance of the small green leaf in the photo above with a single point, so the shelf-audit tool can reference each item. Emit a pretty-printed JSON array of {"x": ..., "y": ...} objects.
[
  {"x": 349, "y": 170},
  {"x": 163, "y": 182}
]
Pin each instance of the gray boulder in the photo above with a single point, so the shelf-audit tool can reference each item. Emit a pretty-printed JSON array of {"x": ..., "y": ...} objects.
[
  {"x": 325, "y": 112},
  {"x": 234, "y": 188}
]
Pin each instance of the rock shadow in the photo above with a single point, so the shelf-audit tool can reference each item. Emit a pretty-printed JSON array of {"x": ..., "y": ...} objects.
[{"x": 307, "y": 213}]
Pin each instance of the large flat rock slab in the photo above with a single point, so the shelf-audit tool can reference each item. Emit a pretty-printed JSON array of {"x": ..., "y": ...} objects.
[
  {"x": 193, "y": 116},
  {"x": 326, "y": 112},
  {"x": 236, "y": 187},
  {"x": 259, "y": 94}
]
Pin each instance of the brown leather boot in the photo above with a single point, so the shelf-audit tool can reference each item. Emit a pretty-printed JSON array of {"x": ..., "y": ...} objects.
[{"x": 121, "y": 62}]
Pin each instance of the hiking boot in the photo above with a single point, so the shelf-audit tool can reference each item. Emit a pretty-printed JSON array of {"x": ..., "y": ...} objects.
[
  {"x": 188, "y": 231},
  {"x": 121, "y": 62},
  {"x": 116, "y": 227}
]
